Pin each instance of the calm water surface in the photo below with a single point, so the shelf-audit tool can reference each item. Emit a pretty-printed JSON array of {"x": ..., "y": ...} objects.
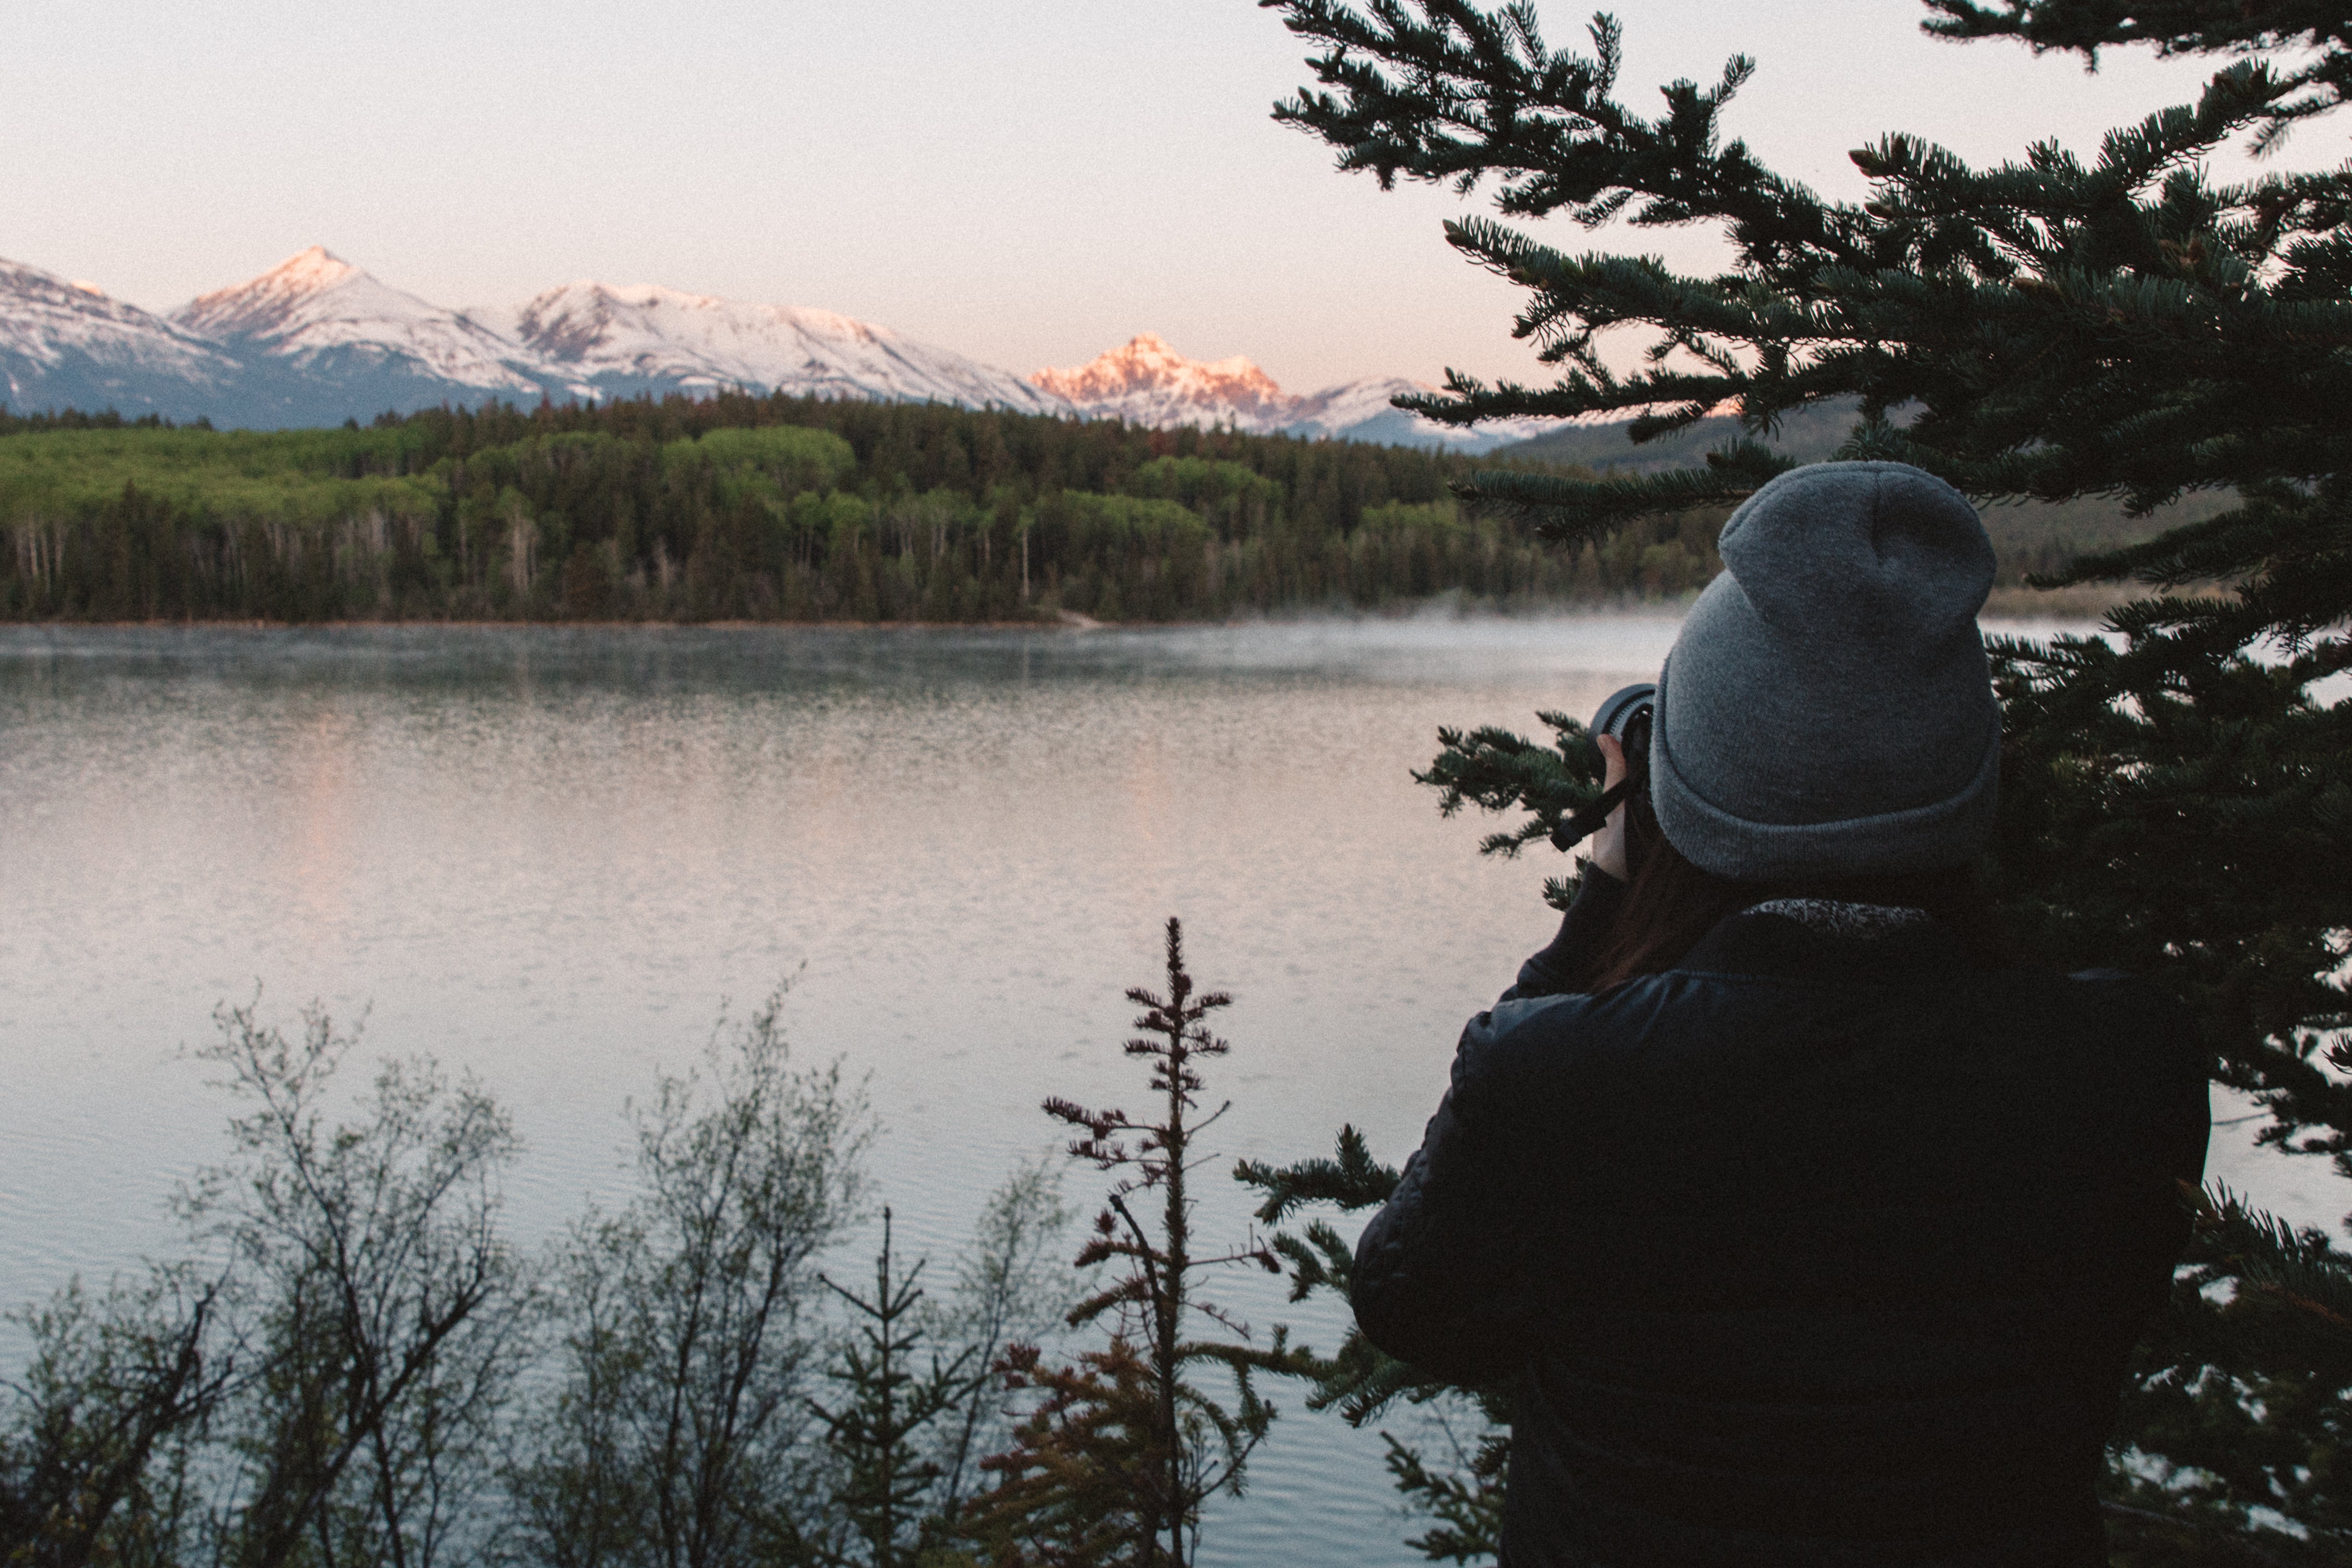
[{"x": 548, "y": 856}]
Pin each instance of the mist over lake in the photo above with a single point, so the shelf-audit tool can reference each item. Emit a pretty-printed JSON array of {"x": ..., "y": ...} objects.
[{"x": 550, "y": 856}]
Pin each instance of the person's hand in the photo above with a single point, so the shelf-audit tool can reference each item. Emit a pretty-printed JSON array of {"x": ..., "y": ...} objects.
[{"x": 1608, "y": 846}]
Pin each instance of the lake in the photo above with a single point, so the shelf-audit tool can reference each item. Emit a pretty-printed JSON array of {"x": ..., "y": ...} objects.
[{"x": 549, "y": 856}]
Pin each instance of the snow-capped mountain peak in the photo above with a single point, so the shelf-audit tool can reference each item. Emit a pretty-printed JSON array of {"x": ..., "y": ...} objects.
[
  {"x": 43, "y": 315},
  {"x": 65, "y": 343},
  {"x": 323, "y": 315},
  {"x": 626, "y": 337},
  {"x": 273, "y": 305},
  {"x": 1147, "y": 382},
  {"x": 317, "y": 339}
]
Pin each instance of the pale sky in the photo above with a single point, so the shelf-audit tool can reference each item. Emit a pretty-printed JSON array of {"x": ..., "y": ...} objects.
[{"x": 1029, "y": 182}]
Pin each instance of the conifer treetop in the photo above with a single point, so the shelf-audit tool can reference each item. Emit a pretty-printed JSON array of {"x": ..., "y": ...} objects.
[{"x": 2052, "y": 326}]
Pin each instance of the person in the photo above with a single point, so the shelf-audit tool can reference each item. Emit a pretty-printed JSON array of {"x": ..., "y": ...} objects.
[{"x": 1802, "y": 1223}]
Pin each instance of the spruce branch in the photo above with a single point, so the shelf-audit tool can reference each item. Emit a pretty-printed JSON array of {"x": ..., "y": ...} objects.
[
  {"x": 1131, "y": 1404},
  {"x": 2177, "y": 28}
]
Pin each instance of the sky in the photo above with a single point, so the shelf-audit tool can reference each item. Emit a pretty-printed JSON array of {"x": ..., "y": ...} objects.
[{"x": 1028, "y": 182}]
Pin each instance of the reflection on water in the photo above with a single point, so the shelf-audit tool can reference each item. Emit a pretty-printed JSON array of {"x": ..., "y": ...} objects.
[{"x": 549, "y": 855}]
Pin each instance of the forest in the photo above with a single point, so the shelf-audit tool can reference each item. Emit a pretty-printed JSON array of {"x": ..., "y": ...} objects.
[{"x": 736, "y": 507}]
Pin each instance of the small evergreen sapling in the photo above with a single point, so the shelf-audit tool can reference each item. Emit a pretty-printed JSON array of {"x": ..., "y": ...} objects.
[
  {"x": 1066, "y": 1492},
  {"x": 1131, "y": 1409},
  {"x": 887, "y": 1480}
]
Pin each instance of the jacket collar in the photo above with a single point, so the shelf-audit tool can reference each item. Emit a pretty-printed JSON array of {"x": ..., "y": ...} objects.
[{"x": 1825, "y": 939}]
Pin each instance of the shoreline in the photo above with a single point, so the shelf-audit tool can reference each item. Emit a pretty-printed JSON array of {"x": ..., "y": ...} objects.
[{"x": 2005, "y": 604}]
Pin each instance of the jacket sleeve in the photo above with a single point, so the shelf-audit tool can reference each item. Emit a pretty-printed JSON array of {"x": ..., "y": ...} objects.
[
  {"x": 1439, "y": 1277},
  {"x": 1567, "y": 963}
]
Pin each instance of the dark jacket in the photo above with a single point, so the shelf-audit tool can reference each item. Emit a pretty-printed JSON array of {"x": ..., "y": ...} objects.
[{"x": 1823, "y": 1249}]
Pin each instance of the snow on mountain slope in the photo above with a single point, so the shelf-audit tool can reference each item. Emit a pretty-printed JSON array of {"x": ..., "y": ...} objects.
[
  {"x": 68, "y": 345},
  {"x": 1363, "y": 411},
  {"x": 1147, "y": 382},
  {"x": 325, "y": 317},
  {"x": 623, "y": 339},
  {"x": 316, "y": 340}
]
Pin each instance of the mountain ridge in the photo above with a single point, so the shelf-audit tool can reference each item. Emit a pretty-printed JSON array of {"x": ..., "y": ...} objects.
[
  {"x": 1146, "y": 381},
  {"x": 314, "y": 306},
  {"x": 71, "y": 346},
  {"x": 622, "y": 339},
  {"x": 317, "y": 340},
  {"x": 1149, "y": 377}
]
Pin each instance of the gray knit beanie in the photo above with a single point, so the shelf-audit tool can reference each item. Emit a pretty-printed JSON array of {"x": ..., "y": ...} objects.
[{"x": 1826, "y": 711}]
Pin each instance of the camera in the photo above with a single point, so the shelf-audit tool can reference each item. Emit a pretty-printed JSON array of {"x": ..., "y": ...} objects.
[
  {"x": 1626, "y": 714},
  {"x": 1623, "y": 710}
]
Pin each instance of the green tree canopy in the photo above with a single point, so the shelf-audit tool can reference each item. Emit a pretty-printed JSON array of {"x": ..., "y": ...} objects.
[{"x": 2176, "y": 790}]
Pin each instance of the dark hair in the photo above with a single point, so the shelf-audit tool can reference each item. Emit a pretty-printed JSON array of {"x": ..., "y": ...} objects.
[{"x": 1672, "y": 903}]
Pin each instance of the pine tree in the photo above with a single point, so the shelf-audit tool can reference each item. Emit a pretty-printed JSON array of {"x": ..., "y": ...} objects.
[
  {"x": 887, "y": 1480},
  {"x": 2176, "y": 793},
  {"x": 1131, "y": 1408},
  {"x": 1065, "y": 1493}
]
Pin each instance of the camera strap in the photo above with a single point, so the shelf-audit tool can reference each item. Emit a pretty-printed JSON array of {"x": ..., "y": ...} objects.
[{"x": 1574, "y": 830}]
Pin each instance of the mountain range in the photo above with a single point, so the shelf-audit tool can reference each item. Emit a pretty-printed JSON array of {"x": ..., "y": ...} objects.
[{"x": 315, "y": 341}]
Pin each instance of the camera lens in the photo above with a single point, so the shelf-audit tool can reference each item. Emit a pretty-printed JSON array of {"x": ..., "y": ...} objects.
[{"x": 1621, "y": 707}]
